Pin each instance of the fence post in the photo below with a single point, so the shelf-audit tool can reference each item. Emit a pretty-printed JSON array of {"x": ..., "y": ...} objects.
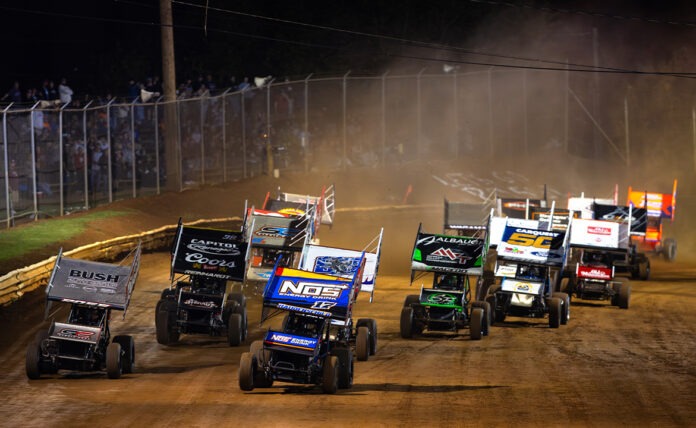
[
  {"x": 224, "y": 136},
  {"x": 179, "y": 154},
  {"x": 269, "y": 147},
  {"x": 61, "y": 181},
  {"x": 85, "y": 155},
  {"x": 244, "y": 146},
  {"x": 34, "y": 183},
  {"x": 8, "y": 199},
  {"x": 344, "y": 161},
  {"x": 490, "y": 112},
  {"x": 108, "y": 153},
  {"x": 133, "y": 144},
  {"x": 384, "y": 116},
  {"x": 306, "y": 122},
  {"x": 157, "y": 159},
  {"x": 202, "y": 119}
]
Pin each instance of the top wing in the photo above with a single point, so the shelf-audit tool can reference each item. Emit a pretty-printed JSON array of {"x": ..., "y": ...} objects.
[
  {"x": 90, "y": 282},
  {"x": 209, "y": 252},
  {"x": 447, "y": 253}
]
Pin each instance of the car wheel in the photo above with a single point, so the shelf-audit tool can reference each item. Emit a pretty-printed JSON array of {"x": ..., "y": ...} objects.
[
  {"x": 246, "y": 372},
  {"x": 487, "y": 315},
  {"x": 491, "y": 300},
  {"x": 362, "y": 343},
  {"x": 555, "y": 308},
  {"x": 345, "y": 367},
  {"x": 114, "y": 365},
  {"x": 476, "y": 324},
  {"x": 644, "y": 270},
  {"x": 234, "y": 329},
  {"x": 371, "y": 325},
  {"x": 33, "y": 360},
  {"x": 565, "y": 307},
  {"x": 329, "y": 380},
  {"x": 406, "y": 323},
  {"x": 128, "y": 348},
  {"x": 670, "y": 249},
  {"x": 624, "y": 296}
]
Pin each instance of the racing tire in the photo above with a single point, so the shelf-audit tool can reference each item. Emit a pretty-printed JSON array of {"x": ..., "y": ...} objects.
[
  {"x": 491, "y": 300},
  {"x": 345, "y": 367},
  {"x": 371, "y": 325},
  {"x": 411, "y": 299},
  {"x": 33, "y": 360},
  {"x": 487, "y": 315},
  {"x": 167, "y": 294},
  {"x": 616, "y": 286},
  {"x": 165, "y": 323},
  {"x": 565, "y": 308},
  {"x": 670, "y": 249},
  {"x": 114, "y": 362},
  {"x": 128, "y": 356},
  {"x": 362, "y": 343},
  {"x": 240, "y": 309},
  {"x": 235, "y": 325},
  {"x": 555, "y": 312},
  {"x": 624, "y": 297},
  {"x": 247, "y": 367},
  {"x": 262, "y": 357},
  {"x": 329, "y": 379},
  {"x": 406, "y": 324},
  {"x": 476, "y": 324}
]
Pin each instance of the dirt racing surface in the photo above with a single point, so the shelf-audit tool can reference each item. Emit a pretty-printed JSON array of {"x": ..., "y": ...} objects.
[{"x": 607, "y": 367}]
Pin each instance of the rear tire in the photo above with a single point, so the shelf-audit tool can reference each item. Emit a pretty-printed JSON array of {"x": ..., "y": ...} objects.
[
  {"x": 329, "y": 381},
  {"x": 644, "y": 270},
  {"x": 234, "y": 329},
  {"x": 362, "y": 343},
  {"x": 670, "y": 249},
  {"x": 345, "y": 367},
  {"x": 240, "y": 308},
  {"x": 624, "y": 296},
  {"x": 476, "y": 324},
  {"x": 406, "y": 323},
  {"x": 128, "y": 348},
  {"x": 33, "y": 360},
  {"x": 412, "y": 299},
  {"x": 487, "y": 315},
  {"x": 565, "y": 307},
  {"x": 114, "y": 362},
  {"x": 165, "y": 322},
  {"x": 491, "y": 300},
  {"x": 371, "y": 324},
  {"x": 247, "y": 367},
  {"x": 555, "y": 309}
]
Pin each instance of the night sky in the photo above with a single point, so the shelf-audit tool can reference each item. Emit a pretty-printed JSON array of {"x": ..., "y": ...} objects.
[{"x": 101, "y": 44}]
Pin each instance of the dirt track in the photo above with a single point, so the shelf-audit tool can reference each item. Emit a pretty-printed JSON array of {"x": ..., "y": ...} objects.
[{"x": 607, "y": 367}]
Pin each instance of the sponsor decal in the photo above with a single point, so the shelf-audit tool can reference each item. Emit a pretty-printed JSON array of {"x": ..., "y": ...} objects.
[
  {"x": 292, "y": 341},
  {"x": 598, "y": 230},
  {"x": 594, "y": 272},
  {"x": 304, "y": 310},
  {"x": 84, "y": 302},
  {"x": 72, "y": 333},
  {"x": 337, "y": 265},
  {"x": 310, "y": 289},
  {"x": 96, "y": 276},
  {"x": 433, "y": 239},
  {"x": 198, "y": 303},
  {"x": 89, "y": 289},
  {"x": 203, "y": 260},
  {"x": 520, "y": 286},
  {"x": 323, "y": 305},
  {"x": 513, "y": 250},
  {"x": 292, "y": 211},
  {"x": 276, "y": 232},
  {"x": 457, "y": 256},
  {"x": 442, "y": 299},
  {"x": 213, "y": 247}
]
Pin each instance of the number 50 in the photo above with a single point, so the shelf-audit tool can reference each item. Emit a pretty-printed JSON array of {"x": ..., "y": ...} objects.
[{"x": 529, "y": 240}]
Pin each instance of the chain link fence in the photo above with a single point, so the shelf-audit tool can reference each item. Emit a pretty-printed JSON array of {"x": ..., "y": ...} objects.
[{"x": 58, "y": 159}]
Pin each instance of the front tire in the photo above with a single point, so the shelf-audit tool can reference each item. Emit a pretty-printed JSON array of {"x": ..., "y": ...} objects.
[
  {"x": 345, "y": 367},
  {"x": 406, "y": 323},
  {"x": 114, "y": 365},
  {"x": 234, "y": 329},
  {"x": 128, "y": 348},
  {"x": 33, "y": 360},
  {"x": 246, "y": 371},
  {"x": 329, "y": 381},
  {"x": 565, "y": 307},
  {"x": 476, "y": 324},
  {"x": 624, "y": 296},
  {"x": 372, "y": 326},
  {"x": 555, "y": 312},
  {"x": 362, "y": 343}
]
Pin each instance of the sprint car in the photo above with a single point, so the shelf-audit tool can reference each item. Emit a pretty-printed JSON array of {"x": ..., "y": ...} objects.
[
  {"x": 595, "y": 245},
  {"x": 447, "y": 305},
  {"x": 84, "y": 342},
  {"x": 659, "y": 206},
  {"x": 346, "y": 263},
  {"x": 197, "y": 300},
  {"x": 528, "y": 262},
  {"x": 309, "y": 348}
]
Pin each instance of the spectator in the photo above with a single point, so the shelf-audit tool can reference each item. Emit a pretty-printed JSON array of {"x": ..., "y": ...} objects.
[
  {"x": 65, "y": 92},
  {"x": 52, "y": 91},
  {"x": 14, "y": 94}
]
